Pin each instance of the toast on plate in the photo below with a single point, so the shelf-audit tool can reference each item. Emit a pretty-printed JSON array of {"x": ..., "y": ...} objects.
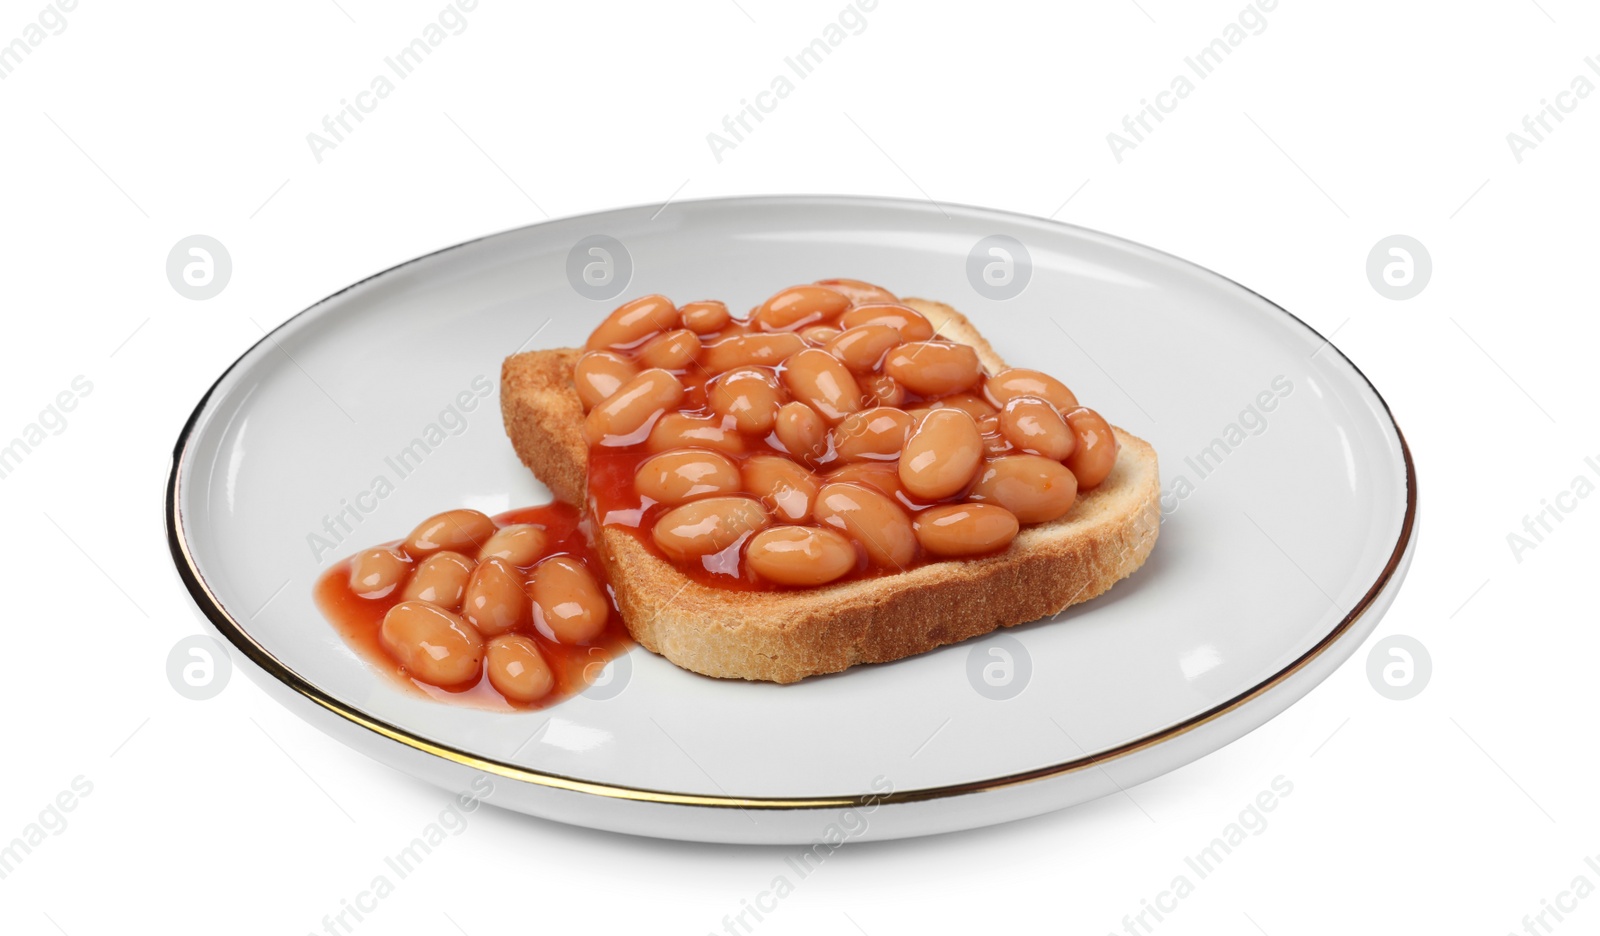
[{"x": 786, "y": 635}]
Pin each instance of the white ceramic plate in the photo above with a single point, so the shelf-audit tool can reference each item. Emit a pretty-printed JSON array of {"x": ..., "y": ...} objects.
[{"x": 1281, "y": 544}]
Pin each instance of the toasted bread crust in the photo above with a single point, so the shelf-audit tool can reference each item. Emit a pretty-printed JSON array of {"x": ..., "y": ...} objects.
[{"x": 785, "y": 636}]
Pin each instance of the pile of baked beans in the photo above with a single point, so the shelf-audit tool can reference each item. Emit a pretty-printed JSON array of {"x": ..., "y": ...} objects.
[
  {"x": 466, "y": 598},
  {"x": 831, "y": 433}
]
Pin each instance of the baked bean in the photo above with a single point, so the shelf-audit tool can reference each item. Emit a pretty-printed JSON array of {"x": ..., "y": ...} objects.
[
  {"x": 863, "y": 348},
  {"x": 908, "y": 321},
  {"x": 819, "y": 334},
  {"x": 517, "y": 670},
  {"x": 942, "y": 455},
  {"x": 971, "y": 404},
  {"x": 680, "y": 430},
  {"x": 803, "y": 433},
  {"x": 965, "y": 529},
  {"x": 1020, "y": 381},
  {"x": 817, "y": 378},
  {"x": 633, "y": 322},
  {"x": 786, "y": 489},
  {"x": 568, "y": 604},
  {"x": 495, "y": 601},
  {"x": 431, "y": 644},
  {"x": 1036, "y": 427},
  {"x": 749, "y": 395},
  {"x": 797, "y": 307},
  {"x": 456, "y": 530},
  {"x": 708, "y": 526},
  {"x": 376, "y": 572},
  {"x": 996, "y": 445},
  {"x": 934, "y": 368},
  {"x": 883, "y": 477},
  {"x": 599, "y": 374},
  {"x": 519, "y": 544},
  {"x": 870, "y": 518},
  {"x": 881, "y": 390},
  {"x": 876, "y": 434},
  {"x": 763, "y": 350},
  {"x": 627, "y": 416},
  {"x": 673, "y": 351},
  {"x": 736, "y": 328},
  {"x": 800, "y": 555},
  {"x": 680, "y": 476},
  {"x": 1096, "y": 452},
  {"x": 860, "y": 292},
  {"x": 705, "y": 317},
  {"x": 441, "y": 579},
  {"x": 1033, "y": 487}
]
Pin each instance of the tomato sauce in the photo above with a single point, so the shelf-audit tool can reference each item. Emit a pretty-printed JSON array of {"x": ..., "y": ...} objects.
[{"x": 359, "y": 619}]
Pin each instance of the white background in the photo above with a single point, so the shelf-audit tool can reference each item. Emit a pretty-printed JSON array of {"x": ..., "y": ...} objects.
[{"x": 1459, "y": 811}]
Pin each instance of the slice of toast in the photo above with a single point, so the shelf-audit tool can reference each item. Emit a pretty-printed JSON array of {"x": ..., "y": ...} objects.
[{"x": 784, "y": 636}]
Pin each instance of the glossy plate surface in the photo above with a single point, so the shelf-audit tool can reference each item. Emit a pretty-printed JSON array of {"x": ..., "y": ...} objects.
[{"x": 1288, "y": 521}]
